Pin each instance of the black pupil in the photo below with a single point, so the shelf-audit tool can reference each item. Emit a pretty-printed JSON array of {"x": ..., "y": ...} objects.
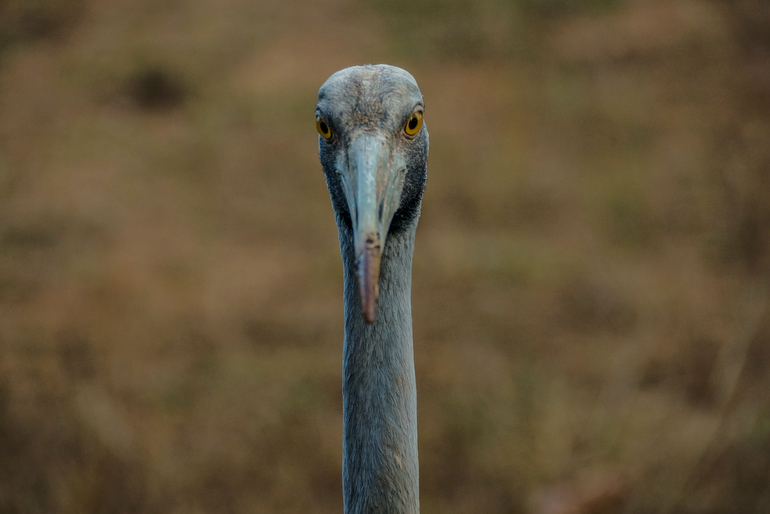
[
  {"x": 324, "y": 128},
  {"x": 412, "y": 123}
]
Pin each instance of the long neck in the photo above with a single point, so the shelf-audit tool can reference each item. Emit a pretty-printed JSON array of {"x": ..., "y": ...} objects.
[{"x": 380, "y": 467}]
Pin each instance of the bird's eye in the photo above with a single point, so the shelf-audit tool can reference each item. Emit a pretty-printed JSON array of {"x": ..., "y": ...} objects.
[
  {"x": 323, "y": 128},
  {"x": 414, "y": 124}
]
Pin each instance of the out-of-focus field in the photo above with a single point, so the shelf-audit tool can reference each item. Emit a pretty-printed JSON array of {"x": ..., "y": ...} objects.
[{"x": 591, "y": 304}]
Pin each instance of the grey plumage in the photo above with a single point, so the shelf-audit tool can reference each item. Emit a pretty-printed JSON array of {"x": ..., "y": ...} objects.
[{"x": 375, "y": 162}]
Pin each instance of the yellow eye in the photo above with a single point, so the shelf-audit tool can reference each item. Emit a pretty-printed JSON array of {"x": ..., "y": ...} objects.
[
  {"x": 323, "y": 128},
  {"x": 414, "y": 124}
]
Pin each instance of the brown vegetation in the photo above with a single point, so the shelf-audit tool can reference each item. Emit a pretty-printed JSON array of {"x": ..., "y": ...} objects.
[{"x": 591, "y": 303}]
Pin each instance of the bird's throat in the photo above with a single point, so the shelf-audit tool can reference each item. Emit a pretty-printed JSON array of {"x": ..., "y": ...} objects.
[{"x": 380, "y": 464}]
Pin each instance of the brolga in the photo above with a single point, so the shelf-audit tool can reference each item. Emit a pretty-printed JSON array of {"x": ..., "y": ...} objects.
[{"x": 373, "y": 147}]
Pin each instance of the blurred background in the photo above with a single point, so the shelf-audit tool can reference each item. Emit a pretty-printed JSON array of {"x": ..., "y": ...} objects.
[{"x": 591, "y": 317}]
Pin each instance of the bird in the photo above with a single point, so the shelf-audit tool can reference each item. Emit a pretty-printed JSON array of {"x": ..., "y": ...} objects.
[{"x": 373, "y": 148}]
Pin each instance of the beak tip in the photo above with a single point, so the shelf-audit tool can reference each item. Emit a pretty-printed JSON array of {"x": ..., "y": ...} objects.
[
  {"x": 368, "y": 278},
  {"x": 369, "y": 305}
]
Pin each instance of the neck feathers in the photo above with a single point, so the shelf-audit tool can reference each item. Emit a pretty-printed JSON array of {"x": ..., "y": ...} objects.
[{"x": 380, "y": 466}]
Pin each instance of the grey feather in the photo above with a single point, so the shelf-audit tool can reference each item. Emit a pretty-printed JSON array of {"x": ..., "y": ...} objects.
[{"x": 380, "y": 461}]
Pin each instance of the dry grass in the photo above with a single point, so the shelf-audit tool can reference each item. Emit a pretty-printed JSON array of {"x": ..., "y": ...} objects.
[{"x": 591, "y": 307}]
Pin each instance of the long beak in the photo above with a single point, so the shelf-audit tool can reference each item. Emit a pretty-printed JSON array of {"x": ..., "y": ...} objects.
[
  {"x": 373, "y": 189},
  {"x": 368, "y": 264}
]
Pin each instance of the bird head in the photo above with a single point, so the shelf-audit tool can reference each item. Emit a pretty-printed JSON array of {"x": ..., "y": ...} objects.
[{"x": 373, "y": 147}]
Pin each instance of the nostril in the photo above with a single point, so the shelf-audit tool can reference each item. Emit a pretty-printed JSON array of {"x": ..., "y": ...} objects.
[{"x": 372, "y": 242}]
